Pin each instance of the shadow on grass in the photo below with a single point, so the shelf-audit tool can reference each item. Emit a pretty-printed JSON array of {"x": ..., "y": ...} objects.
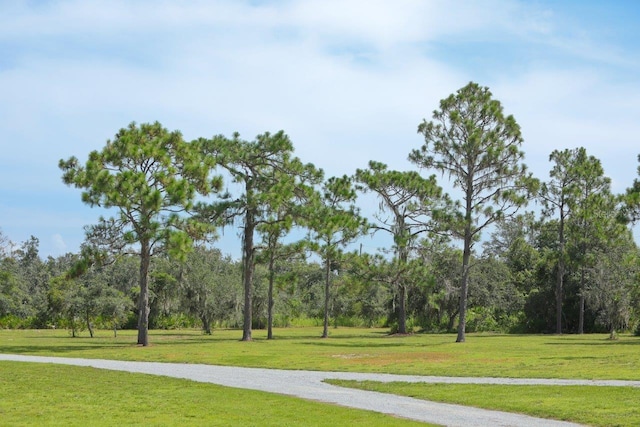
[
  {"x": 565, "y": 339},
  {"x": 606, "y": 342},
  {"x": 368, "y": 344},
  {"x": 53, "y": 349},
  {"x": 571, "y": 358},
  {"x": 97, "y": 345}
]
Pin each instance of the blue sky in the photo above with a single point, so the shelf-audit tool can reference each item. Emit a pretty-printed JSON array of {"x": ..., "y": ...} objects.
[{"x": 348, "y": 80}]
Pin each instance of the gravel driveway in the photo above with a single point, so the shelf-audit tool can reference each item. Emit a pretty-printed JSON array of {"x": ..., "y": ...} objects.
[{"x": 310, "y": 385}]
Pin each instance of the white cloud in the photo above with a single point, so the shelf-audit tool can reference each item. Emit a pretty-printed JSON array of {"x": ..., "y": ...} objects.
[
  {"x": 573, "y": 107},
  {"x": 348, "y": 80}
]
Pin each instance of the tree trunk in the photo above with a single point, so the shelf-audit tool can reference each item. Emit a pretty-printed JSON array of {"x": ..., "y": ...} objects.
[
  {"x": 206, "y": 324},
  {"x": 89, "y": 326},
  {"x": 466, "y": 258},
  {"x": 560, "y": 277},
  {"x": 559, "y": 284},
  {"x": 402, "y": 309},
  {"x": 581, "y": 314},
  {"x": 270, "y": 297},
  {"x": 247, "y": 273},
  {"x": 143, "y": 299},
  {"x": 402, "y": 294},
  {"x": 325, "y": 330},
  {"x": 612, "y": 333},
  {"x": 581, "y": 317},
  {"x": 452, "y": 320}
]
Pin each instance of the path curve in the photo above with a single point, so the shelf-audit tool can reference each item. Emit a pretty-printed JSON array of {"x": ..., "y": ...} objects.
[{"x": 310, "y": 385}]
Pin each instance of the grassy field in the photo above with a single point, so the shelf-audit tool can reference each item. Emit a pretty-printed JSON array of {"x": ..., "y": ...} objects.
[
  {"x": 596, "y": 406},
  {"x": 365, "y": 350},
  {"x": 33, "y": 394}
]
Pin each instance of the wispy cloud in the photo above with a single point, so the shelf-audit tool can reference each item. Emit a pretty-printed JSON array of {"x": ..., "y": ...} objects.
[{"x": 348, "y": 80}]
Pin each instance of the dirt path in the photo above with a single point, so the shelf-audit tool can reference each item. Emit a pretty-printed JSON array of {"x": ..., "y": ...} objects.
[{"x": 310, "y": 385}]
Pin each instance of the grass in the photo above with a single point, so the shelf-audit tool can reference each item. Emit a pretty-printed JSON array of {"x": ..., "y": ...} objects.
[
  {"x": 364, "y": 350},
  {"x": 33, "y": 394},
  {"x": 596, "y": 406}
]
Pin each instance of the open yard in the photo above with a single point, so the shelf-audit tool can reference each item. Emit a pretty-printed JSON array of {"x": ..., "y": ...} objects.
[{"x": 32, "y": 392}]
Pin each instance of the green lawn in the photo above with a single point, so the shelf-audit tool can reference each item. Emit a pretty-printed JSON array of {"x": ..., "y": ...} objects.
[
  {"x": 365, "y": 350},
  {"x": 597, "y": 406},
  {"x": 34, "y": 394}
]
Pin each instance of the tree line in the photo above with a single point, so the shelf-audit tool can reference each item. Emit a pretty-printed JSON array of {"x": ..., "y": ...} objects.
[{"x": 474, "y": 259}]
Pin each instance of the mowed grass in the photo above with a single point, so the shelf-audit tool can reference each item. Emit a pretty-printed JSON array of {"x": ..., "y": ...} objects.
[
  {"x": 33, "y": 394},
  {"x": 595, "y": 406},
  {"x": 363, "y": 350}
]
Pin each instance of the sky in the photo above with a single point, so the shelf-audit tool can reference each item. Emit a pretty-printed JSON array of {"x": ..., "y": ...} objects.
[{"x": 349, "y": 81}]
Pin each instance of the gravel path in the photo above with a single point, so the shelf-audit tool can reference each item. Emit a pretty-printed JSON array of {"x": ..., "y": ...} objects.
[{"x": 310, "y": 385}]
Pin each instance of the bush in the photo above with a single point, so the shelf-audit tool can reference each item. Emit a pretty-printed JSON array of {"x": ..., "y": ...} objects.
[
  {"x": 131, "y": 322},
  {"x": 12, "y": 322},
  {"x": 411, "y": 326},
  {"x": 176, "y": 321},
  {"x": 281, "y": 321},
  {"x": 480, "y": 319},
  {"x": 306, "y": 321}
]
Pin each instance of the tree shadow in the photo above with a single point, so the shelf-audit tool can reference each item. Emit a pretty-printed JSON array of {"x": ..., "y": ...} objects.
[
  {"x": 368, "y": 344},
  {"x": 52, "y": 349},
  {"x": 604, "y": 341}
]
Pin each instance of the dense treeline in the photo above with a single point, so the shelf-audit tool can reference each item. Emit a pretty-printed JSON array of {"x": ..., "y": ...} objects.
[
  {"x": 512, "y": 289},
  {"x": 473, "y": 261}
]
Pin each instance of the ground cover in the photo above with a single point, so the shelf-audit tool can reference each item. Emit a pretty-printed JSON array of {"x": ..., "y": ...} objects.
[
  {"x": 363, "y": 350},
  {"x": 33, "y": 394},
  {"x": 595, "y": 406}
]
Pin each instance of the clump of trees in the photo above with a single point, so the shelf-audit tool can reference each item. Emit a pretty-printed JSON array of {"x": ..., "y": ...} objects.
[{"x": 472, "y": 260}]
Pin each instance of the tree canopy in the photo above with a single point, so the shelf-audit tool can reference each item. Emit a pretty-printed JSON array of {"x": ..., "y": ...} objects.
[
  {"x": 150, "y": 176},
  {"x": 477, "y": 147},
  {"x": 570, "y": 267}
]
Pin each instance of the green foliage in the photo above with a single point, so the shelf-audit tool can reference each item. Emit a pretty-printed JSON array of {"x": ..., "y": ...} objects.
[
  {"x": 209, "y": 288},
  {"x": 333, "y": 221},
  {"x": 472, "y": 142},
  {"x": 437, "y": 305},
  {"x": 615, "y": 279},
  {"x": 592, "y": 225},
  {"x": 176, "y": 321},
  {"x": 630, "y": 211},
  {"x": 82, "y": 303},
  {"x": 483, "y": 320},
  {"x": 414, "y": 205},
  {"x": 150, "y": 175},
  {"x": 12, "y": 293},
  {"x": 273, "y": 183},
  {"x": 577, "y": 254},
  {"x": 11, "y": 321}
]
